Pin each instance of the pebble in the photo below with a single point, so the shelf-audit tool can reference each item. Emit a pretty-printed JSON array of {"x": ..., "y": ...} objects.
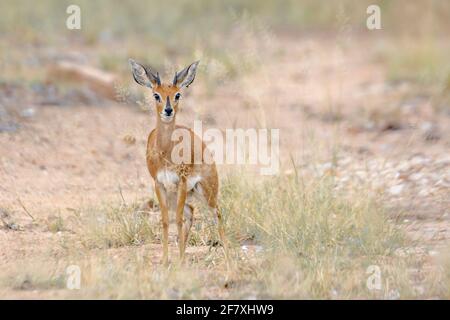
[
  {"x": 433, "y": 253},
  {"x": 416, "y": 176},
  {"x": 419, "y": 176},
  {"x": 28, "y": 113},
  {"x": 8, "y": 127},
  {"x": 396, "y": 190}
]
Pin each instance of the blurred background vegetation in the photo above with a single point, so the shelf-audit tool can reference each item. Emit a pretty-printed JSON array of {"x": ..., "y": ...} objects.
[{"x": 156, "y": 30}]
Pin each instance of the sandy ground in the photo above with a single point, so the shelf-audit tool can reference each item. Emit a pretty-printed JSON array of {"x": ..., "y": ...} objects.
[{"x": 318, "y": 93}]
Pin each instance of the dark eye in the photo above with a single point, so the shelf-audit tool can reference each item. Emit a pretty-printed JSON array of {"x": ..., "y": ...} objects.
[
  {"x": 157, "y": 97},
  {"x": 178, "y": 96}
]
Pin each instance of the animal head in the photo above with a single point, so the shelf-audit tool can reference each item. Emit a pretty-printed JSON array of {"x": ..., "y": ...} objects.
[{"x": 167, "y": 95}]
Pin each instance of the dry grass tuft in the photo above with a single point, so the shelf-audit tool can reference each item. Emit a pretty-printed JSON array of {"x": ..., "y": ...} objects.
[
  {"x": 313, "y": 240},
  {"x": 289, "y": 239},
  {"x": 115, "y": 226}
]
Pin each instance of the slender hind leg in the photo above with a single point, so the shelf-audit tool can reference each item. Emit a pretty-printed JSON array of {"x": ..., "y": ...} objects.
[
  {"x": 181, "y": 201},
  {"x": 210, "y": 195},
  {"x": 188, "y": 220}
]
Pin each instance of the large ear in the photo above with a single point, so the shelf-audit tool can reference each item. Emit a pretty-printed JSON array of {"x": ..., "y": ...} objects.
[
  {"x": 185, "y": 77},
  {"x": 144, "y": 75}
]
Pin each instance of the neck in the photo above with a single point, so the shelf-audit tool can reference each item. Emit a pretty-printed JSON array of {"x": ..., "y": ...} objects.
[{"x": 164, "y": 134}]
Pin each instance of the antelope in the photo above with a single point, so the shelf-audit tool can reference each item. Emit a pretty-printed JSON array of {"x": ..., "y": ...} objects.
[{"x": 176, "y": 184}]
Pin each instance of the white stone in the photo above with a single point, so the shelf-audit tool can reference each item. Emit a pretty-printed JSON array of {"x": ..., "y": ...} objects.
[{"x": 396, "y": 190}]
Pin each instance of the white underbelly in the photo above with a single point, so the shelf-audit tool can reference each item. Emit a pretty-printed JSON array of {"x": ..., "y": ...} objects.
[{"x": 170, "y": 180}]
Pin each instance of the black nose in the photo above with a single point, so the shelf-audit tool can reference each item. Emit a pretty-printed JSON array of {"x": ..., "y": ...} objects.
[{"x": 168, "y": 111}]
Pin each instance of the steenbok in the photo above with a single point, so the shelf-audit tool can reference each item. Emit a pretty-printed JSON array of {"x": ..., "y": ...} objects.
[{"x": 177, "y": 182}]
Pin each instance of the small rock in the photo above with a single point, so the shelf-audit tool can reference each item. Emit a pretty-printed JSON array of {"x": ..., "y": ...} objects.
[
  {"x": 419, "y": 160},
  {"x": 416, "y": 176},
  {"x": 28, "y": 113},
  {"x": 392, "y": 126},
  {"x": 425, "y": 126},
  {"x": 99, "y": 81},
  {"x": 8, "y": 127},
  {"x": 430, "y": 131},
  {"x": 396, "y": 190}
]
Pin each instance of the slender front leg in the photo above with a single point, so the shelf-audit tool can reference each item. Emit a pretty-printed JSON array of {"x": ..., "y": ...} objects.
[
  {"x": 181, "y": 200},
  {"x": 162, "y": 199}
]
